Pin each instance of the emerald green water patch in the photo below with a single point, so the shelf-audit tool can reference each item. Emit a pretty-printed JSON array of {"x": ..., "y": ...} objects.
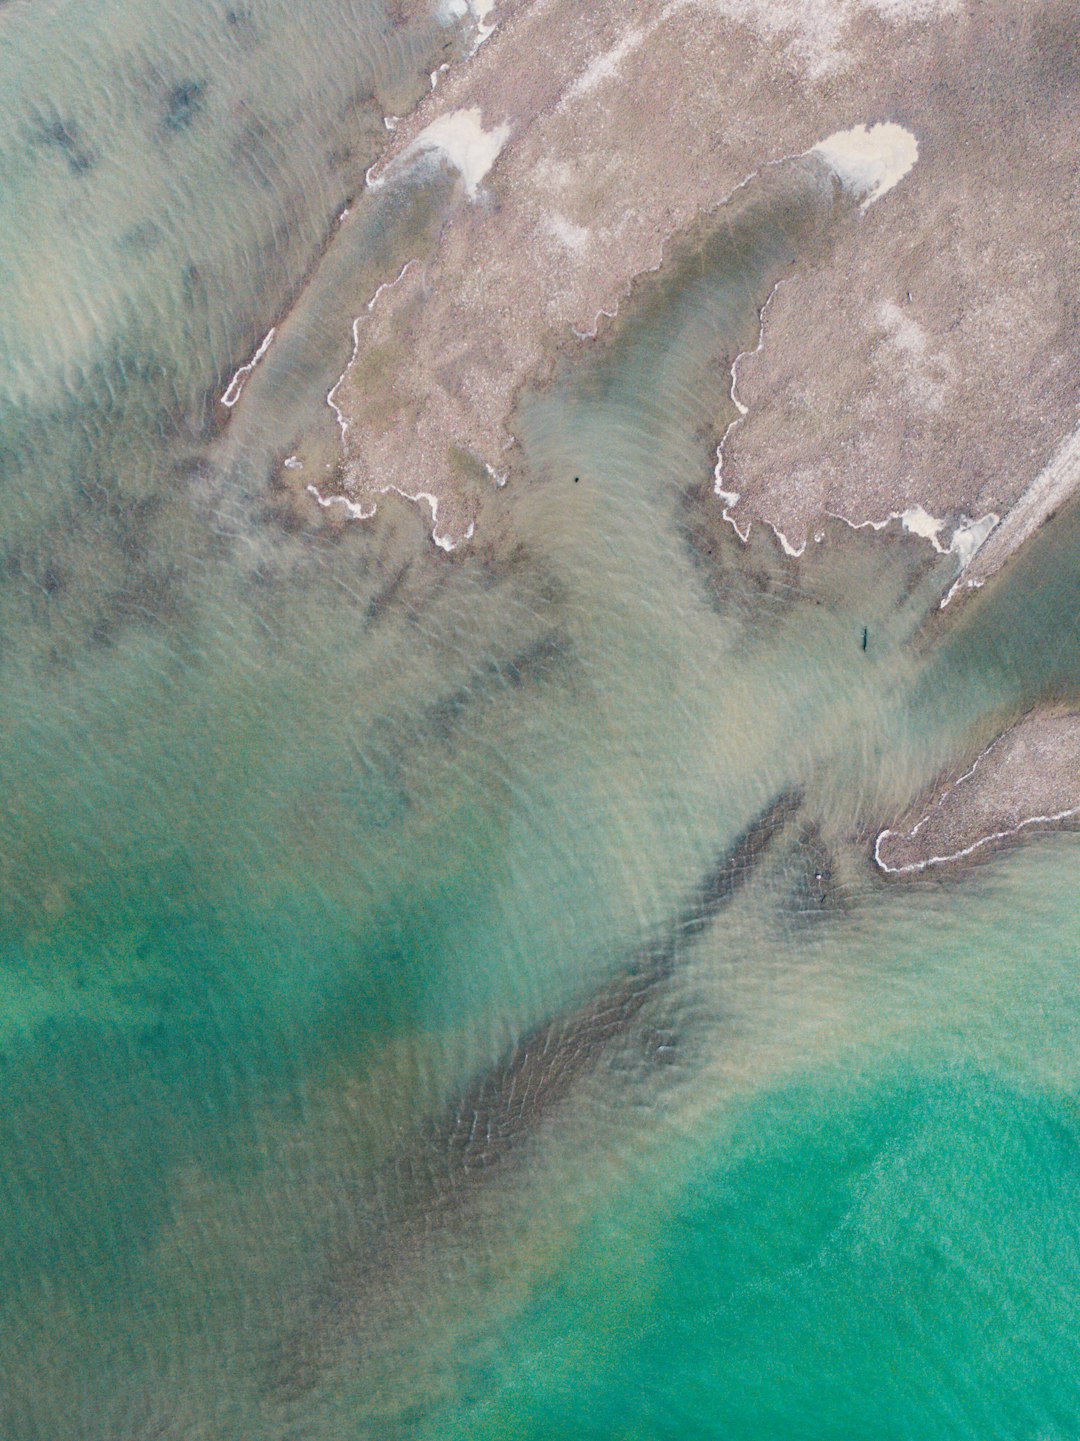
[
  {"x": 846, "y": 1206},
  {"x": 896, "y": 1258},
  {"x": 893, "y": 1255}
]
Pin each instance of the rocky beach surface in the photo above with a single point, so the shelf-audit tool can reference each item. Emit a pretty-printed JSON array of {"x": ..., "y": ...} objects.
[
  {"x": 1027, "y": 779},
  {"x": 921, "y": 363}
]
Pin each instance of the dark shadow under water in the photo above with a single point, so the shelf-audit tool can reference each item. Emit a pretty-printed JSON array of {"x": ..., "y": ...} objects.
[{"x": 427, "y": 1186}]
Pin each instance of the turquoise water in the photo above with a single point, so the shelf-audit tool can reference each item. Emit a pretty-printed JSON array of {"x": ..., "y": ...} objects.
[{"x": 304, "y": 829}]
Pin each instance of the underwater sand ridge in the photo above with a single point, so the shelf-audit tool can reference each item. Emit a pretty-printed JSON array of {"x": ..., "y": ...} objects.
[{"x": 425, "y": 1186}]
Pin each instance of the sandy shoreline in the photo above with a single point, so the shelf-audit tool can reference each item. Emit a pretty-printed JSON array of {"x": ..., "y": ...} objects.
[
  {"x": 942, "y": 313},
  {"x": 1027, "y": 778}
]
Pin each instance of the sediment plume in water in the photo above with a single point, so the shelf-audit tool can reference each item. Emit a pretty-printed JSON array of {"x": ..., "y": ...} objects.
[
  {"x": 427, "y": 1186},
  {"x": 349, "y": 917}
]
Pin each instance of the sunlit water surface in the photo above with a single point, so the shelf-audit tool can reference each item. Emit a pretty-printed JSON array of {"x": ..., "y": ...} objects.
[{"x": 305, "y": 828}]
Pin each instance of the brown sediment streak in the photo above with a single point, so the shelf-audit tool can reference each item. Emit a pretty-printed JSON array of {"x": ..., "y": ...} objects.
[
  {"x": 369, "y": 464},
  {"x": 506, "y": 1103},
  {"x": 342, "y": 421},
  {"x": 478, "y": 11},
  {"x": 425, "y": 1187}
]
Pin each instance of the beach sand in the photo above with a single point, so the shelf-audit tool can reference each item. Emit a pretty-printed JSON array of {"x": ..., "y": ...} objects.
[
  {"x": 925, "y": 358},
  {"x": 1027, "y": 778}
]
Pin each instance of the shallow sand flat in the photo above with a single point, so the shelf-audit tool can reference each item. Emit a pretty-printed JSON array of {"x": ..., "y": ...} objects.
[
  {"x": 1028, "y": 778},
  {"x": 925, "y": 358},
  {"x": 1058, "y": 479}
]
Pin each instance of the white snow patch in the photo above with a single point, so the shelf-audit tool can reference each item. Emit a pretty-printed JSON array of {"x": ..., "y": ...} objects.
[
  {"x": 605, "y": 66},
  {"x": 917, "y": 521},
  {"x": 969, "y": 536},
  {"x": 788, "y": 548},
  {"x": 913, "y": 12},
  {"x": 339, "y": 414},
  {"x": 481, "y": 9},
  {"x": 977, "y": 845},
  {"x": 574, "y": 237},
  {"x": 343, "y": 424},
  {"x": 356, "y": 511},
  {"x": 907, "y": 356},
  {"x": 869, "y": 160},
  {"x": 469, "y": 148},
  {"x": 444, "y": 541},
  {"x": 814, "y": 30},
  {"x": 967, "y": 850},
  {"x": 731, "y": 497},
  {"x": 964, "y": 542},
  {"x": 389, "y": 285},
  {"x": 592, "y": 334},
  {"x": 451, "y": 11},
  {"x": 905, "y": 332}
]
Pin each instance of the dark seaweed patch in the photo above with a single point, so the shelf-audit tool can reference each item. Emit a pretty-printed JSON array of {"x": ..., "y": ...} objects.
[
  {"x": 242, "y": 27},
  {"x": 193, "y": 285},
  {"x": 63, "y": 135},
  {"x": 52, "y": 582},
  {"x": 815, "y": 891},
  {"x": 736, "y": 579},
  {"x": 255, "y": 153},
  {"x": 140, "y": 238},
  {"x": 509, "y": 672},
  {"x": 426, "y": 1185},
  {"x": 380, "y": 603},
  {"x": 184, "y": 103}
]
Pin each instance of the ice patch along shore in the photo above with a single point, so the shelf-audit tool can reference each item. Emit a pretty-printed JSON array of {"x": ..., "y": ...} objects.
[
  {"x": 869, "y": 159},
  {"x": 460, "y": 138}
]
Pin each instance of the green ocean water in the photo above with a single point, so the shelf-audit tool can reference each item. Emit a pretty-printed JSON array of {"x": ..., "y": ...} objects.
[{"x": 303, "y": 828}]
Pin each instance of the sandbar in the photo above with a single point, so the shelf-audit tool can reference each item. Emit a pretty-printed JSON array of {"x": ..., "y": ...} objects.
[
  {"x": 922, "y": 364},
  {"x": 1027, "y": 779}
]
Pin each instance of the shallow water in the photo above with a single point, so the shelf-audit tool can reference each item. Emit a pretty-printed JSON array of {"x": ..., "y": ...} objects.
[{"x": 304, "y": 828}]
